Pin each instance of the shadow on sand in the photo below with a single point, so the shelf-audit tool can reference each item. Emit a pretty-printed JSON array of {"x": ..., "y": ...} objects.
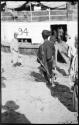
[
  {"x": 38, "y": 76},
  {"x": 11, "y": 116},
  {"x": 61, "y": 92},
  {"x": 64, "y": 95}
]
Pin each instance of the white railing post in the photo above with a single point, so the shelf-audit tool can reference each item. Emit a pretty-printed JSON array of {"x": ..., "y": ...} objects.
[
  {"x": 67, "y": 14},
  {"x": 31, "y": 15},
  {"x": 31, "y": 11},
  {"x": 49, "y": 14}
]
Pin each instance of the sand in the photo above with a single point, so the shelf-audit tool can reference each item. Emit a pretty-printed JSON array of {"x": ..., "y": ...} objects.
[{"x": 25, "y": 86}]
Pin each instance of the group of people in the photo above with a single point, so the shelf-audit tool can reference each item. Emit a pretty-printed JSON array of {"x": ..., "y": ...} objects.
[
  {"x": 48, "y": 52},
  {"x": 47, "y": 57}
]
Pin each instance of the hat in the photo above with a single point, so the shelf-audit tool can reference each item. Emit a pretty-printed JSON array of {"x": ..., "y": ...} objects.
[
  {"x": 46, "y": 33},
  {"x": 10, "y": 105}
]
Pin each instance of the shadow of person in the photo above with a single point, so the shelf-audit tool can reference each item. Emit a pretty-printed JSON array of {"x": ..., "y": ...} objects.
[
  {"x": 11, "y": 116},
  {"x": 38, "y": 76},
  {"x": 64, "y": 95}
]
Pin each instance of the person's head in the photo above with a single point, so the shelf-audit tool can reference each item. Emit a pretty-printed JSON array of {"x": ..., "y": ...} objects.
[
  {"x": 46, "y": 34},
  {"x": 60, "y": 34},
  {"x": 76, "y": 42},
  {"x": 54, "y": 33},
  {"x": 15, "y": 35},
  {"x": 67, "y": 36},
  {"x": 53, "y": 37}
]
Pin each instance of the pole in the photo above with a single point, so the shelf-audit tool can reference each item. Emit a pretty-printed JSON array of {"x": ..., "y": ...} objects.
[
  {"x": 49, "y": 14},
  {"x": 31, "y": 11},
  {"x": 67, "y": 10}
]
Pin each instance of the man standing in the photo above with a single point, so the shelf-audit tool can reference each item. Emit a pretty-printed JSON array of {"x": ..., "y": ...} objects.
[
  {"x": 71, "y": 50},
  {"x": 74, "y": 77},
  {"x": 44, "y": 56},
  {"x": 15, "y": 51}
]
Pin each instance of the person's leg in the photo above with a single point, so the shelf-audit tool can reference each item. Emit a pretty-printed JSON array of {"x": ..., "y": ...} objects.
[
  {"x": 19, "y": 60},
  {"x": 50, "y": 69},
  {"x": 49, "y": 64},
  {"x": 15, "y": 58},
  {"x": 12, "y": 56},
  {"x": 46, "y": 78}
]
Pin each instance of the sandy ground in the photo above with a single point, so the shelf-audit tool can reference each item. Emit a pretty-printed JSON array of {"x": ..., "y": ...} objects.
[{"x": 25, "y": 86}]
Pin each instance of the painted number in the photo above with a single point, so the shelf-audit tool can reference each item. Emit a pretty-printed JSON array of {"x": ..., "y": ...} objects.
[{"x": 23, "y": 31}]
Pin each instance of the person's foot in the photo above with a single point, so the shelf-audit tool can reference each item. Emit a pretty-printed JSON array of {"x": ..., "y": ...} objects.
[
  {"x": 53, "y": 85},
  {"x": 53, "y": 79},
  {"x": 48, "y": 83}
]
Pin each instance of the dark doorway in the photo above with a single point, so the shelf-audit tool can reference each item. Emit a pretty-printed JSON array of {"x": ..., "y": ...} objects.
[
  {"x": 25, "y": 40},
  {"x": 64, "y": 27}
]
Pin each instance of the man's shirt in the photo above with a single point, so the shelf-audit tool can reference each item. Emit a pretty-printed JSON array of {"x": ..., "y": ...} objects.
[
  {"x": 14, "y": 45},
  {"x": 46, "y": 50}
]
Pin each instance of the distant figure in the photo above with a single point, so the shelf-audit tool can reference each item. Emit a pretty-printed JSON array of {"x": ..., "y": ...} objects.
[
  {"x": 74, "y": 76},
  {"x": 71, "y": 50},
  {"x": 44, "y": 57},
  {"x": 14, "y": 47}
]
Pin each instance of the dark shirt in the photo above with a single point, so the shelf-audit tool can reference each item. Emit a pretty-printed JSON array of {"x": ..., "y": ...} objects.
[{"x": 46, "y": 51}]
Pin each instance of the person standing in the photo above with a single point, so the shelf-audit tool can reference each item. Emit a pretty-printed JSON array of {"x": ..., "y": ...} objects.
[
  {"x": 74, "y": 76},
  {"x": 71, "y": 50},
  {"x": 44, "y": 56},
  {"x": 61, "y": 46},
  {"x": 14, "y": 47}
]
